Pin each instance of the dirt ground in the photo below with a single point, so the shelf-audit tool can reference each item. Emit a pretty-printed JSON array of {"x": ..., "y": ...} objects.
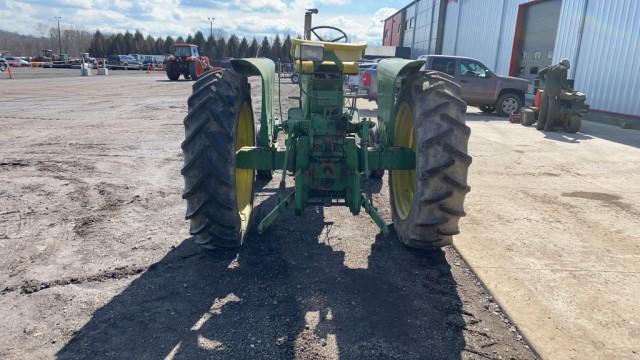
[{"x": 96, "y": 260}]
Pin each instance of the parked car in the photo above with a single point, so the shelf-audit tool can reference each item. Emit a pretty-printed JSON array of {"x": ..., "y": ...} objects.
[
  {"x": 123, "y": 62},
  {"x": 480, "y": 86},
  {"x": 368, "y": 81},
  {"x": 15, "y": 61},
  {"x": 354, "y": 80},
  {"x": 3, "y": 64}
]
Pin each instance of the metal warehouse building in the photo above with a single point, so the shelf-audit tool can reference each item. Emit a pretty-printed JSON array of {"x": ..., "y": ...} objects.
[{"x": 519, "y": 37}]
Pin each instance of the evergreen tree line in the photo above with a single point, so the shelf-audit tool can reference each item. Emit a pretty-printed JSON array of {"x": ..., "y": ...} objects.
[{"x": 103, "y": 45}]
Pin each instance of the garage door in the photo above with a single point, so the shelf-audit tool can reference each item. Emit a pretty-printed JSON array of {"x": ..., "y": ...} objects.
[{"x": 539, "y": 37}]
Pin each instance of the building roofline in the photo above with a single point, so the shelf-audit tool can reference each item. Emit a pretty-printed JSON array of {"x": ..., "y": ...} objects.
[{"x": 401, "y": 10}]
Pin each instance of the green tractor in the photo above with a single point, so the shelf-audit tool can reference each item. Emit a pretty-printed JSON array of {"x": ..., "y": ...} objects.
[{"x": 420, "y": 137}]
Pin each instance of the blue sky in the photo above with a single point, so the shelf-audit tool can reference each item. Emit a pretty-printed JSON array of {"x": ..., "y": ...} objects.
[{"x": 360, "y": 19}]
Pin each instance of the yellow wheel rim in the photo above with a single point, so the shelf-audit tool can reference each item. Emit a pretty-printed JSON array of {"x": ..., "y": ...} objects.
[
  {"x": 244, "y": 177},
  {"x": 403, "y": 182}
]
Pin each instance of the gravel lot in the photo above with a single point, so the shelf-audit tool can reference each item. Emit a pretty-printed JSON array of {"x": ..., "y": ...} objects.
[{"x": 97, "y": 261}]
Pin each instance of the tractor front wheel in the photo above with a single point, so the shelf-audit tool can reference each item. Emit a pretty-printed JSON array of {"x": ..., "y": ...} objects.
[
  {"x": 173, "y": 70},
  {"x": 427, "y": 202},
  {"x": 219, "y": 196}
]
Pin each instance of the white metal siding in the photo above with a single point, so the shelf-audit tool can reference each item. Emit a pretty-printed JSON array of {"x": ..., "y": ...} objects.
[
  {"x": 509, "y": 17},
  {"x": 571, "y": 15},
  {"x": 410, "y": 20},
  {"x": 607, "y": 66},
  {"x": 478, "y": 29},
  {"x": 485, "y": 31},
  {"x": 450, "y": 28},
  {"x": 425, "y": 37}
]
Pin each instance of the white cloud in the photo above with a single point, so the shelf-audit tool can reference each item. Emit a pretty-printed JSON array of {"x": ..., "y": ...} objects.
[{"x": 173, "y": 17}]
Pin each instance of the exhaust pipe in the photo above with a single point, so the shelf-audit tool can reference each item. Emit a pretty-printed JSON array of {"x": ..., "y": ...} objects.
[{"x": 307, "y": 22}]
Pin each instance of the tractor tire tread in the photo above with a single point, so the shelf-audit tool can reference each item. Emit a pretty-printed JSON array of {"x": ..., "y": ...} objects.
[
  {"x": 441, "y": 162},
  {"x": 209, "y": 159}
]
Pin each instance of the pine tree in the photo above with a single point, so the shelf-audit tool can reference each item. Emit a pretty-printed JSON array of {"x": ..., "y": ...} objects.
[
  {"x": 286, "y": 50},
  {"x": 232, "y": 46},
  {"x": 149, "y": 45},
  {"x": 189, "y": 39},
  {"x": 168, "y": 45},
  {"x": 265, "y": 48},
  {"x": 138, "y": 43},
  {"x": 180, "y": 40},
  {"x": 118, "y": 45},
  {"x": 128, "y": 45},
  {"x": 158, "y": 48},
  {"x": 211, "y": 48},
  {"x": 221, "y": 49},
  {"x": 253, "y": 48},
  {"x": 276, "y": 49},
  {"x": 97, "y": 46},
  {"x": 243, "y": 49},
  {"x": 199, "y": 40}
]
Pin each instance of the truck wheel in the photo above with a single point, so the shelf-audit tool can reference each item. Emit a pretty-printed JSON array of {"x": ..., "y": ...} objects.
[
  {"x": 487, "y": 109},
  {"x": 219, "y": 196},
  {"x": 573, "y": 125},
  {"x": 509, "y": 103},
  {"x": 427, "y": 202},
  {"x": 173, "y": 71}
]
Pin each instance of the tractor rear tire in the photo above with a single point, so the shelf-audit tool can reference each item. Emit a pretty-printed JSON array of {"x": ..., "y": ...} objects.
[
  {"x": 427, "y": 202},
  {"x": 219, "y": 196},
  {"x": 173, "y": 70}
]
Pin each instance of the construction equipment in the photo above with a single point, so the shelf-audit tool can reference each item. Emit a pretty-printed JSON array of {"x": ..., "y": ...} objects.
[
  {"x": 569, "y": 116},
  {"x": 186, "y": 61},
  {"x": 421, "y": 139}
]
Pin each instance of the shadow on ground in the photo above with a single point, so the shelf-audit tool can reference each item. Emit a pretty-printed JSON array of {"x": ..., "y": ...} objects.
[
  {"x": 480, "y": 116},
  {"x": 286, "y": 294},
  {"x": 613, "y": 133},
  {"x": 559, "y": 135}
]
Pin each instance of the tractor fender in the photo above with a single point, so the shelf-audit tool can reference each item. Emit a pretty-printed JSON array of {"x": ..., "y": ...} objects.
[
  {"x": 266, "y": 69},
  {"x": 390, "y": 73}
]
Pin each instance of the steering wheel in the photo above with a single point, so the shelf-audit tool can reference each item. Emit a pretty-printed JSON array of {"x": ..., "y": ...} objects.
[{"x": 342, "y": 36}]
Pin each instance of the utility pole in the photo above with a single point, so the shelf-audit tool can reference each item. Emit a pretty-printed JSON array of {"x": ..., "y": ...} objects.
[
  {"x": 59, "y": 37},
  {"x": 211, "y": 19}
]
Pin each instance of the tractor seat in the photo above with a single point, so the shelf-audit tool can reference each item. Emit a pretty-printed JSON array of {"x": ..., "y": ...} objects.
[{"x": 348, "y": 54}]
